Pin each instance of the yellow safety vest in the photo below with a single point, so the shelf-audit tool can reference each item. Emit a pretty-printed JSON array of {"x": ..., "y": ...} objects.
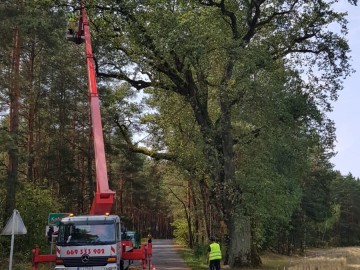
[
  {"x": 72, "y": 23},
  {"x": 215, "y": 252}
]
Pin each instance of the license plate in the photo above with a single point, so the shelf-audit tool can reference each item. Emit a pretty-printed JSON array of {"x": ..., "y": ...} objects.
[{"x": 86, "y": 268}]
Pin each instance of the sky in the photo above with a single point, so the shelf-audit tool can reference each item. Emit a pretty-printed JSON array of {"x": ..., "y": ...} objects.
[{"x": 346, "y": 110}]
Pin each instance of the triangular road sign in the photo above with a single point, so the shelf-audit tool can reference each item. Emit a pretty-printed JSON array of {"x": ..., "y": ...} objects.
[{"x": 14, "y": 225}]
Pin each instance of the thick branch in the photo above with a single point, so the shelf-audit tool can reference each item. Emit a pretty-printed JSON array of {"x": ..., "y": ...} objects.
[
  {"x": 142, "y": 150},
  {"x": 226, "y": 12},
  {"x": 252, "y": 20},
  {"x": 138, "y": 84},
  {"x": 179, "y": 199}
]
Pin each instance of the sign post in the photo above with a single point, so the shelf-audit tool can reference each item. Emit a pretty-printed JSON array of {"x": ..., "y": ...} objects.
[
  {"x": 15, "y": 225},
  {"x": 53, "y": 222}
]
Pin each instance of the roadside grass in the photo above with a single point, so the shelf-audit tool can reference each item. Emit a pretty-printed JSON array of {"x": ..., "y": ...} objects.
[
  {"x": 25, "y": 265},
  {"x": 270, "y": 261},
  {"x": 195, "y": 258},
  {"x": 22, "y": 262},
  {"x": 315, "y": 259}
]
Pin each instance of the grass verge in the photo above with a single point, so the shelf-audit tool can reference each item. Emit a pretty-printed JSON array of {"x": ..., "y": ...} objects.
[
  {"x": 195, "y": 258},
  {"x": 271, "y": 261}
]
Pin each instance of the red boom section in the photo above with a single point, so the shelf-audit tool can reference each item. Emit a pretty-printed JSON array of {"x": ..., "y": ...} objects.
[
  {"x": 37, "y": 258},
  {"x": 104, "y": 197},
  {"x": 144, "y": 253}
]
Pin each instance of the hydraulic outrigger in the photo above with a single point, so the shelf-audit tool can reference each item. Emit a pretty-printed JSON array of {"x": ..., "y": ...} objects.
[{"x": 79, "y": 255}]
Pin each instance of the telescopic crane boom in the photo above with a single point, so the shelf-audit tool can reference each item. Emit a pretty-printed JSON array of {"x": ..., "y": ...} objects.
[
  {"x": 114, "y": 248},
  {"x": 104, "y": 197}
]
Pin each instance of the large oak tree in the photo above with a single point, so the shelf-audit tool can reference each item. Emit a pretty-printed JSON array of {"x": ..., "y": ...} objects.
[{"x": 212, "y": 54}]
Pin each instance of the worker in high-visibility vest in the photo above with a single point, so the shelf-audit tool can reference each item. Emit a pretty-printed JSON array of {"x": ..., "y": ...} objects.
[
  {"x": 72, "y": 25},
  {"x": 214, "y": 254}
]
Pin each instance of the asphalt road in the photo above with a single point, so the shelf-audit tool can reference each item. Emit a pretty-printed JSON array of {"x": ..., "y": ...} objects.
[{"x": 166, "y": 256}]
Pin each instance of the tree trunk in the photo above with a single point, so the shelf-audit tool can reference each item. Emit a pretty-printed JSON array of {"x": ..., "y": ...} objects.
[
  {"x": 14, "y": 125},
  {"x": 205, "y": 206},
  {"x": 188, "y": 214},
  {"x": 31, "y": 114},
  {"x": 195, "y": 213},
  {"x": 239, "y": 252}
]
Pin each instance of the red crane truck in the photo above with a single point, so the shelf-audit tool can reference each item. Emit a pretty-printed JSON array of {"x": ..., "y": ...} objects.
[{"x": 94, "y": 241}]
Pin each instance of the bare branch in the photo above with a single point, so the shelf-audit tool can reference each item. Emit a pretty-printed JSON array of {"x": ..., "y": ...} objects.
[
  {"x": 288, "y": 51},
  {"x": 276, "y": 14}
]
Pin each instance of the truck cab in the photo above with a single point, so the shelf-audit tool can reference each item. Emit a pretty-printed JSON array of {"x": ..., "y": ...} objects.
[{"x": 89, "y": 243}]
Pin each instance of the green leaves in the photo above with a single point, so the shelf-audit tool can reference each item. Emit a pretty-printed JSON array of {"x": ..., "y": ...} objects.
[{"x": 237, "y": 90}]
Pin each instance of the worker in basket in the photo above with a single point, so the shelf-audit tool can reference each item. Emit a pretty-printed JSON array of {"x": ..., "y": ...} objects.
[{"x": 72, "y": 23}]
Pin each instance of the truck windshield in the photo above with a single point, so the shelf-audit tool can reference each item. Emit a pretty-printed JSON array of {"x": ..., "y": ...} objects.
[{"x": 74, "y": 234}]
